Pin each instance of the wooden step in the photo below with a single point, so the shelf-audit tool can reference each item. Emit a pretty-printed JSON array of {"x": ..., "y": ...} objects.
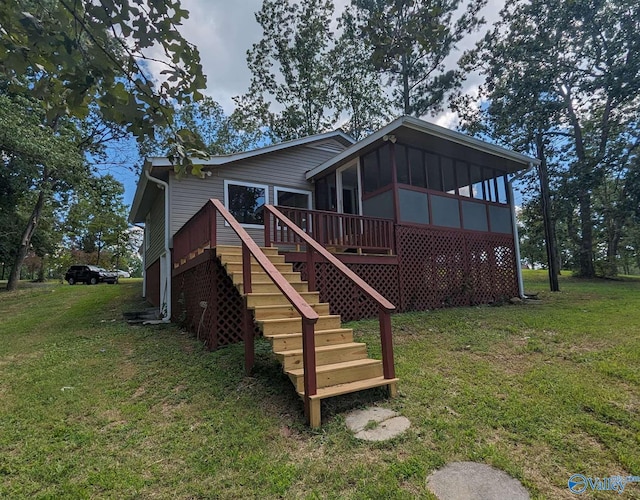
[
  {"x": 270, "y": 287},
  {"x": 294, "y": 325},
  {"x": 237, "y": 259},
  {"x": 348, "y": 388},
  {"x": 339, "y": 373},
  {"x": 236, "y": 267},
  {"x": 262, "y": 277},
  {"x": 290, "y": 341},
  {"x": 237, "y": 250},
  {"x": 255, "y": 299},
  {"x": 325, "y": 355},
  {"x": 286, "y": 311}
]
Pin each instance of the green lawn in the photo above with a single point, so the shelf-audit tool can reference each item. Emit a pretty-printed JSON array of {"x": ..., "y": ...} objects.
[{"x": 92, "y": 407}]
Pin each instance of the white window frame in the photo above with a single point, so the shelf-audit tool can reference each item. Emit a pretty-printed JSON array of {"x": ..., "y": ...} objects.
[
  {"x": 245, "y": 184},
  {"x": 278, "y": 189}
]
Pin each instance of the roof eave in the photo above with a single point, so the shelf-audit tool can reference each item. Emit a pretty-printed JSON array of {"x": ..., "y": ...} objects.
[
  {"x": 137, "y": 197},
  {"x": 422, "y": 126}
]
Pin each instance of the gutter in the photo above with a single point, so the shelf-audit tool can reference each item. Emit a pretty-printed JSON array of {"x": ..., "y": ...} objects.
[
  {"x": 167, "y": 295},
  {"x": 514, "y": 223}
]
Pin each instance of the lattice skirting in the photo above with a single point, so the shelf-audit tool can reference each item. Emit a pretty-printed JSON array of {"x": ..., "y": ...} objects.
[
  {"x": 440, "y": 268},
  {"x": 152, "y": 277},
  {"x": 207, "y": 303},
  {"x": 344, "y": 297}
]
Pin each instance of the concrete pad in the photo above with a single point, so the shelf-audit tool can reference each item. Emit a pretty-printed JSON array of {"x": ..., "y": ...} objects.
[
  {"x": 388, "y": 424},
  {"x": 358, "y": 420},
  {"x": 473, "y": 481},
  {"x": 387, "y": 429}
]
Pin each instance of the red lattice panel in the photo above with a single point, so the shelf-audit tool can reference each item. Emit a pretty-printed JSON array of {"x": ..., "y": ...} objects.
[
  {"x": 152, "y": 277},
  {"x": 220, "y": 323},
  {"x": 440, "y": 268},
  {"x": 345, "y": 298}
]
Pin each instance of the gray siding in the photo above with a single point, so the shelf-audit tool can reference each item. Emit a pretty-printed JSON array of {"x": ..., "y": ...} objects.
[
  {"x": 155, "y": 227},
  {"x": 283, "y": 169}
]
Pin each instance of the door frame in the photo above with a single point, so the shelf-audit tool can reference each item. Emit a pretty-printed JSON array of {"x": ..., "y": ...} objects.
[{"x": 339, "y": 192}]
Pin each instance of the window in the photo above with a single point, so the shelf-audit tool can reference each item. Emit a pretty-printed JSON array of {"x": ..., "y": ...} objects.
[
  {"x": 370, "y": 173},
  {"x": 296, "y": 198},
  {"x": 246, "y": 202},
  {"x": 326, "y": 198},
  {"x": 416, "y": 165},
  {"x": 462, "y": 174},
  {"x": 402, "y": 166},
  {"x": 434, "y": 174},
  {"x": 448, "y": 175}
]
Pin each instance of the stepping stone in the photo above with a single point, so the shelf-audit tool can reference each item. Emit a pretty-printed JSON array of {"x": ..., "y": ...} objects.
[
  {"x": 473, "y": 481},
  {"x": 376, "y": 424}
]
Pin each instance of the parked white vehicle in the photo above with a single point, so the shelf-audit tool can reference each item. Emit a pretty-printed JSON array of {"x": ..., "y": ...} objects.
[{"x": 123, "y": 274}]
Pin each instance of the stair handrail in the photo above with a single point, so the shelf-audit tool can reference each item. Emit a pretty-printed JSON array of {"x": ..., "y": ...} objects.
[
  {"x": 385, "y": 307},
  {"x": 307, "y": 313}
]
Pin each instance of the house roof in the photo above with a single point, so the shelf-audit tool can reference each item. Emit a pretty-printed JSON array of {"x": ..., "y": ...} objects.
[
  {"x": 164, "y": 164},
  {"x": 224, "y": 159},
  {"x": 409, "y": 125}
]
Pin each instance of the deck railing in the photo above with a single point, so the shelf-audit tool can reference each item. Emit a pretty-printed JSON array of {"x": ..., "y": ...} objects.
[
  {"x": 332, "y": 229},
  {"x": 200, "y": 232},
  {"x": 274, "y": 220}
]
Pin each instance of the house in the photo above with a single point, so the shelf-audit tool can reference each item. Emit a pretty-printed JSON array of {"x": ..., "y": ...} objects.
[{"x": 421, "y": 214}]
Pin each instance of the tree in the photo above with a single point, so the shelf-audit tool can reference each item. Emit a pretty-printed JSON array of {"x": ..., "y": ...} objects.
[
  {"x": 74, "y": 58},
  {"x": 296, "y": 40},
  {"x": 215, "y": 133},
  {"x": 98, "y": 217},
  {"x": 359, "y": 91},
  {"x": 574, "y": 69},
  {"x": 410, "y": 41},
  {"x": 40, "y": 162}
]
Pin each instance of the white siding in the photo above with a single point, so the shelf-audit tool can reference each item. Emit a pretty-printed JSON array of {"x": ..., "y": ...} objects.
[
  {"x": 283, "y": 169},
  {"x": 155, "y": 227}
]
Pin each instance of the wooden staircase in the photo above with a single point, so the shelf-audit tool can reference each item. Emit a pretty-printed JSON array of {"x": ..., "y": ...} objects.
[{"x": 342, "y": 365}]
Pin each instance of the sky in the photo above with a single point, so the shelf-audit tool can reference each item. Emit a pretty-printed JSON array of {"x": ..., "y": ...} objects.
[{"x": 223, "y": 31}]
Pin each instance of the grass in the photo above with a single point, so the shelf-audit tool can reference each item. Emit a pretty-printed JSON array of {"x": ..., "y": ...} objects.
[{"x": 92, "y": 407}]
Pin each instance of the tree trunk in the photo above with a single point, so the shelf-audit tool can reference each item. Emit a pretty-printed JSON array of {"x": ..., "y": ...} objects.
[
  {"x": 549, "y": 225},
  {"x": 25, "y": 242},
  {"x": 405, "y": 86},
  {"x": 587, "y": 269},
  {"x": 585, "y": 253}
]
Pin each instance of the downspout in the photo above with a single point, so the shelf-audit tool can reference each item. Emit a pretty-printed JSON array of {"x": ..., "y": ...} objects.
[
  {"x": 514, "y": 223},
  {"x": 167, "y": 296}
]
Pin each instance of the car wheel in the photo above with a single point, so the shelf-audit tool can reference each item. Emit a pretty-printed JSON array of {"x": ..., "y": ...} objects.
[
  {"x": 71, "y": 281},
  {"x": 93, "y": 281}
]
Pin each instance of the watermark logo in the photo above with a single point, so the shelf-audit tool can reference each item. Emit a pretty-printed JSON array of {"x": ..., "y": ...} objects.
[{"x": 579, "y": 483}]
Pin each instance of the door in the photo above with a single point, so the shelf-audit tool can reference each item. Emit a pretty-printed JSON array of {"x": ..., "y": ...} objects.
[{"x": 348, "y": 188}]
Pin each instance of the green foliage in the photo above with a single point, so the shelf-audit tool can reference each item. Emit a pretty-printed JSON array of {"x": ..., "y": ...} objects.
[
  {"x": 410, "y": 41},
  {"x": 304, "y": 80},
  {"x": 213, "y": 131},
  {"x": 76, "y": 72},
  {"x": 296, "y": 39},
  {"x": 78, "y": 54},
  {"x": 565, "y": 75},
  {"x": 97, "y": 218},
  {"x": 359, "y": 90}
]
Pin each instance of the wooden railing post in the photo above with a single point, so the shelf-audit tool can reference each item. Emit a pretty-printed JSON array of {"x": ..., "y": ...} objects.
[
  {"x": 311, "y": 269},
  {"x": 249, "y": 350},
  {"x": 267, "y": 229},
  {"x": 212, "y": 228},
  {"x": 387, "y": 343},
  {"x": 309, "y": 367}
]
